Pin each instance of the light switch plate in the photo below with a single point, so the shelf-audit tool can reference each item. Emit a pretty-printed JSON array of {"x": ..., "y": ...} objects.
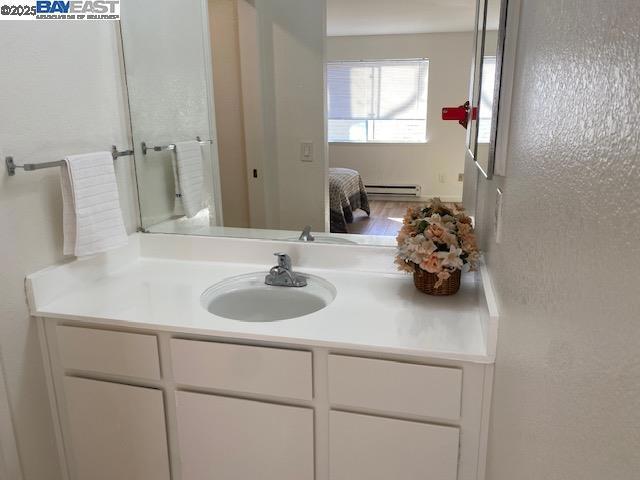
[
  {"x": 306, "y": 151},
  {"x": 498, "y": 215}
]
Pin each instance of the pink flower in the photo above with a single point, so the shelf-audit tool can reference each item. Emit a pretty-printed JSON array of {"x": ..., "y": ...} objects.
[
  {"x": 402, "y": 236},
  {"x": 436, "y": 232},
  {"x": 451, "y": 259},
  {"x": 469, "y": 242},
  {"x": 431, "y": 264},
  {"x": 464, "y": 229},
  {"x": 449, "y": 239},
  {"x": 464, "y": 219}
]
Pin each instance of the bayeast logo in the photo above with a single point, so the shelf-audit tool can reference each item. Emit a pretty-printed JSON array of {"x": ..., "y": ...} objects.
[{"x": 83, "y": 9}]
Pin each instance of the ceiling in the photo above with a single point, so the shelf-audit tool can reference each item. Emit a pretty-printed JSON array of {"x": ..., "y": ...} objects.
[{"x": 386, "y": 17}]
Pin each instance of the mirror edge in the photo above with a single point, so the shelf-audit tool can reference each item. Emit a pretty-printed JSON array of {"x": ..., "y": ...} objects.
[
  {"x": 469, "y": 141},
  {"x": 495, "y": 119},
  {"x": 500, "y": 51}
]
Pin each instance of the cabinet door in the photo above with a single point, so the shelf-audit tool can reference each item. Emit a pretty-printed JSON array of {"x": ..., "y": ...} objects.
[
  {"x": 363, "y": 447},
  {"x": 117, "y": 431},
  {"x": 228, "y": 438}
]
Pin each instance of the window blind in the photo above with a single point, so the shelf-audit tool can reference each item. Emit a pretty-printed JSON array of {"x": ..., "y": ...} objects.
[
  {"x": 378, "y": 101},
  {"x": 485, "y": 112}
]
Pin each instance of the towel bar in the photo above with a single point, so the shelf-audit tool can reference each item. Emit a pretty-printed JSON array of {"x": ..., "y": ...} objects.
[
  {"x": 29, "y": 167},
  {"x": 171, "y": 146}
]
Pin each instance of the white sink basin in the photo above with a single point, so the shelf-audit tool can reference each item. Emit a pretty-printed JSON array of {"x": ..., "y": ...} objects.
[{"x": 247, "y": 298}]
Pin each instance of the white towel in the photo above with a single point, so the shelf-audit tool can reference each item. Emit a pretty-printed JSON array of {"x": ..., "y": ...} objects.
[
  {"x": 91, "y": 214},
  {"x": 189, "y": 176}
]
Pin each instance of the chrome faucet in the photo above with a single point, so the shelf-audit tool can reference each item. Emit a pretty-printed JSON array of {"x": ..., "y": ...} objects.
[
  {"x": 282, "y": 275},
  {"x": 306, "y": 236}
]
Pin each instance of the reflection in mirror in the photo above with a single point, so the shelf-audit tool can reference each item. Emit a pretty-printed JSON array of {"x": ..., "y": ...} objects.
[
  {"x": 322, "y": 113},
  {"x": 485, "y": 85},
  {"x": 474, "y": 94},
  {"x": 168, "y": 101}
]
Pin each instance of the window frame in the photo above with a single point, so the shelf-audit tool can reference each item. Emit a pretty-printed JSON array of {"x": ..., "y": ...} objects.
[{"x": 381, "y": 142}]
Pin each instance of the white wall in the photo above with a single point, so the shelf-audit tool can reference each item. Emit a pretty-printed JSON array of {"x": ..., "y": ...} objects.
[
  {"x": 227, "y": 87},
  {"x": 567, "y": 388},
  {"x": 449, "y": 57},
  {"x": 9, "y": 460},
  {"x": 61, "y": 92},
  {"x": 284, "y": 102}
]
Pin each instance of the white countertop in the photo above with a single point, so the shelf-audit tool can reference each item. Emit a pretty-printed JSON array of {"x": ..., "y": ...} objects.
[{"x": 156, "y": 284}]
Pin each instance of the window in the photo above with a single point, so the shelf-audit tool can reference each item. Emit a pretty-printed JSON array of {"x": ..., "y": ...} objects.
[
  {"x": 378, "y": 101},
  {"x": 485, "y": 112}
]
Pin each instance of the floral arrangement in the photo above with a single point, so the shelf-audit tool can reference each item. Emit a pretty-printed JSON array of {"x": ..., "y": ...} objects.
[{"x": 437, "y": 239}]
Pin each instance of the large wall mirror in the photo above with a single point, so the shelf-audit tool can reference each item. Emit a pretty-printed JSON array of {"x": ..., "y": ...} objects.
[
  {"x": 486, "y": 82},
  {"x": 303, "y": 120}
]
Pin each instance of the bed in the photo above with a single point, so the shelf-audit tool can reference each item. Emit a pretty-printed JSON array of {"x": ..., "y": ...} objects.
[{"x": 346, "y": 194}]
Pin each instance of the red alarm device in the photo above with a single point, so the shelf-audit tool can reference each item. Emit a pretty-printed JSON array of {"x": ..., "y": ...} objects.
[{"x": 459, "y": 114}]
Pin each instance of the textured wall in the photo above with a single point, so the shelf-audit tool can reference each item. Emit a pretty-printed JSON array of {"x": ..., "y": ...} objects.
[
  {"x": 167, "y": 82},
  {"x": 49, "y": 107},
  {"x": 567, "y": 388}
]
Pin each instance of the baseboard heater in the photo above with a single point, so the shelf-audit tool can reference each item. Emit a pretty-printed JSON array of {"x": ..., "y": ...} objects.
[{"x": 394, "y": 190}]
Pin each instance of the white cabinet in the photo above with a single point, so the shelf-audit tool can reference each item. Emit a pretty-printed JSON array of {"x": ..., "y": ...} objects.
[
  {"x": 153, "y": 405},
  {"x": 363, "y": 447},
  {"x": 228, "y": 438},
  {"x": 243, "y": 368},
  {"x": 395, "y": 387},
  {"x": 116, "y": 431},
  {"x": 108, "y": 352}
]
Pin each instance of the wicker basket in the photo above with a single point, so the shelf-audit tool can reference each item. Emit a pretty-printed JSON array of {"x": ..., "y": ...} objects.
[{"x": 425, "y": 282}]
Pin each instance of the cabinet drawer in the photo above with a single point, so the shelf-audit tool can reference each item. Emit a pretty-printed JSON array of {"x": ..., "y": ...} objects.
[
  {"x": 395, "y": 387},
  {"x": 371, "y": 448},
  {"x": 103, "y": 351},
  {"x": 243, "y": 368}
]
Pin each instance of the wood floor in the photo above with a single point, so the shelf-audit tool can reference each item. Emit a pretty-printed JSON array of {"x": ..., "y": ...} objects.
[{"x": 385, "y": 219}]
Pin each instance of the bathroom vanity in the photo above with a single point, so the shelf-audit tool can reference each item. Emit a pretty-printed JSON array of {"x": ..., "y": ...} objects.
[{"x": 145, "y": 383}]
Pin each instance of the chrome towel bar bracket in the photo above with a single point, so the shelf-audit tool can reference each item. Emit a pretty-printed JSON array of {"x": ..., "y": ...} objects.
[
  {"x": 169, "y": 147},
  {"x": 29, "y": 167}
]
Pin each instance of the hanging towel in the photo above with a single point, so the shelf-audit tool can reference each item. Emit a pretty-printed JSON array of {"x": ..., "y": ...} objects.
[
  {"x": 189, "y": 176},
  {"x": 91, "y": 214}
]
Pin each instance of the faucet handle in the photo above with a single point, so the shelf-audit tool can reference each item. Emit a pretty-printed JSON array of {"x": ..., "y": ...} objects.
[{"x": 284, "y": 260}]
